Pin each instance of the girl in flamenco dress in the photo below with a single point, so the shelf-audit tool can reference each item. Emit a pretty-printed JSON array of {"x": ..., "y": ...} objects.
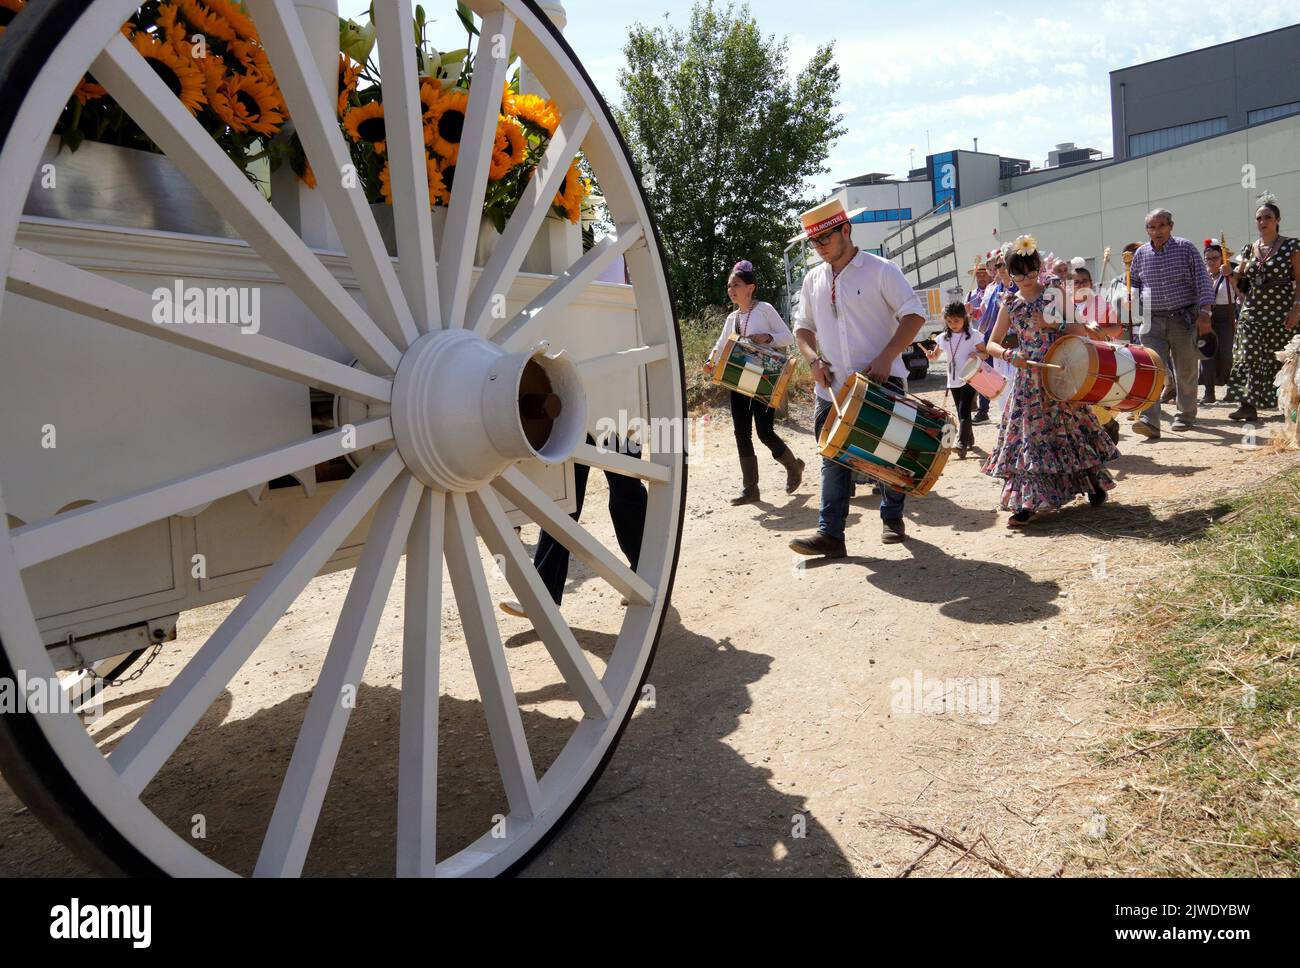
[{"x": 1047, "y": 452}]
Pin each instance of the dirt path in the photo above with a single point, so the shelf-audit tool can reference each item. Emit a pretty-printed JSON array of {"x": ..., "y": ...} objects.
[{"x": 786, "y": 728}]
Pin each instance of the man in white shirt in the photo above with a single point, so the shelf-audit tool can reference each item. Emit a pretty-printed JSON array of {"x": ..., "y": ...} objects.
[{"x": 861, "y": 311}]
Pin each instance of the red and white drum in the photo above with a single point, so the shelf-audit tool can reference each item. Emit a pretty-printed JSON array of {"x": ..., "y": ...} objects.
[
  {"x": 987, "y": 381},
  {"x": 1119, "y": 376}
]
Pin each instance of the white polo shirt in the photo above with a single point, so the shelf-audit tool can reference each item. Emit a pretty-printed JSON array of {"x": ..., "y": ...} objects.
[{"x": 873, "y": 296}]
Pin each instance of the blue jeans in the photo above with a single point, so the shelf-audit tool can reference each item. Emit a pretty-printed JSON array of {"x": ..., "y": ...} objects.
[{"x": 837, "y": 484}]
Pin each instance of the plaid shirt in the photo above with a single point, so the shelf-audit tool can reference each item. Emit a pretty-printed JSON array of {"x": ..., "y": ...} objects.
[{"x": 1174, "y": 277}]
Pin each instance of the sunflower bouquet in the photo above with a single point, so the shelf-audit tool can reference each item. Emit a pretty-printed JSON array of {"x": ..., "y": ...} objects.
[
  {"x": 208, "y": 54},
  {"x": 526, "y": 123}
]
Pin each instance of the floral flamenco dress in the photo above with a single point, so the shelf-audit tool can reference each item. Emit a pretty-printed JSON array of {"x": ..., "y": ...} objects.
[{"x": 1047, "y": 451}]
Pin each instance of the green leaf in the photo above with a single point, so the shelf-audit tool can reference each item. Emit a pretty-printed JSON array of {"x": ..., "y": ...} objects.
[
  {"x": 467, "y": 18},
  {"x": 419, "y": 15},
  {"x": 454, "y": 56}
]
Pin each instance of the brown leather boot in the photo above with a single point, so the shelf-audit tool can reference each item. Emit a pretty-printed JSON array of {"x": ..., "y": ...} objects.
[
  {"x": 749, "y": 478},
  {"x": 793, "y": 470}
]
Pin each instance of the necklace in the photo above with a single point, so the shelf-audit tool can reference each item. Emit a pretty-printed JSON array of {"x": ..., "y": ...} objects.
[
  {"x": 745, "y": 331},
  {"x": 1263, "y": 257}
]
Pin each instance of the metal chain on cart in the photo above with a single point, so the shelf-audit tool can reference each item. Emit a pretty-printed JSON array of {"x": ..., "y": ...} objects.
[{"x": 84, "y": 666}]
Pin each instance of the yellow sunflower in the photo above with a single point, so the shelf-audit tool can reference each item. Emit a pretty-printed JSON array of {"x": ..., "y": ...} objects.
[
  {"x": 348, "y": 74},
  {"x": 170, "y": 27},
  {"x": 206, "y": 21},
  {"x": 251, "y": 56},
  {"x": 569, "y": 198},
  {"x": 440, "y": 193},
  {"x": 87, "y": 90},
  {"x": 234, "y": 15},
  {"x": 366, "y": 123},
  {"x": 508, "y": 151},
  {"x": 436, "y": 187},
  {"x": 537, "y": 111},
  {"x": 176, "y": 69},
  {"x": 248, "y": 102},
  {"x": 8, "y": 10},
  {"x": 447, "y": 120},
  {"x": 507, "y": 100}
]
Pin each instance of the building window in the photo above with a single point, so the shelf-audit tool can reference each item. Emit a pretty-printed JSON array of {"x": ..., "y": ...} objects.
[
  {"x": 1179, "y": 134},
  {"x": 884, "y": 215},
  {"x": 1276, "y": 111}
]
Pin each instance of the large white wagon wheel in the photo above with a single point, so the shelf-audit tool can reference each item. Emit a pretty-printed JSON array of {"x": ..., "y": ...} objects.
[{"x": 436, "y": 488}]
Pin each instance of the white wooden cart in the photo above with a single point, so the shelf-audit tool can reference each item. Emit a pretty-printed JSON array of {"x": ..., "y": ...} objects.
[{"x": 174, "y": 441}]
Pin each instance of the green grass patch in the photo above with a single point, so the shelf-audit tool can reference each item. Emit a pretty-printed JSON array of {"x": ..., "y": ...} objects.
[{"x": 1214, "y": 701}]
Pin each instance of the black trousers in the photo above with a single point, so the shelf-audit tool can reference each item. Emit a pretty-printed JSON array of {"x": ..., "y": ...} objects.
[
  {"x": 627, "y": 507},
  {"x": 963, "y": 398},
  {"x": 747, "y": 415},
  {"x": 1217, "y": 370}
]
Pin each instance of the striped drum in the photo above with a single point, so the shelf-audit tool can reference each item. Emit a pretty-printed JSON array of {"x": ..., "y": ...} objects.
[
  {"x": 1118, "y": 376},
  {"x": 888, "y": 435},
  {"x": 756, "y": 371}
]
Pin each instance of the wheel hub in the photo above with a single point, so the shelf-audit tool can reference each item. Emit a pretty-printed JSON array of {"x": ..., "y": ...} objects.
[{"x": 464, "y": 409}]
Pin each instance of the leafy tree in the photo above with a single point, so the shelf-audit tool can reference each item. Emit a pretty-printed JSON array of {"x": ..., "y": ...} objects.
[{"x": 726, "y": 144}]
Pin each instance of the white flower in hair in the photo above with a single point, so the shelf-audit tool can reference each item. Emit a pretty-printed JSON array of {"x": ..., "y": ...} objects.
[
  {"x": 1007, "y": 249},
  {"x": 1025, "y": 245}
]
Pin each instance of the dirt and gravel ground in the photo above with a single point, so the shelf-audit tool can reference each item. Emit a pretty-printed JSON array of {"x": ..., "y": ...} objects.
[{"x": 785, "y": 737}]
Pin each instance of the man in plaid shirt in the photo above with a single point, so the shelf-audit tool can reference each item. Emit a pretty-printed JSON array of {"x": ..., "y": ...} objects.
[{"x": 1178, "y": 293}]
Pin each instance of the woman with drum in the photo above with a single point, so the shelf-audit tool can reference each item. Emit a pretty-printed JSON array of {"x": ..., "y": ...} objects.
[
  {"x": 1269, "y": 315},
  {"x": 760, "y": 323},
  {"x": 1047, "y": 451}
]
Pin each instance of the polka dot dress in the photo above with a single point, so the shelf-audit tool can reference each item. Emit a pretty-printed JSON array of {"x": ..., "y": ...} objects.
[{"x": 1261, "y": 327}]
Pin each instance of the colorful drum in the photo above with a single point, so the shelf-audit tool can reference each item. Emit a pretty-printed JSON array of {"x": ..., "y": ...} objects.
[
  {"x": 986, "y": 380},
  {"x": 1118, "y": 376},
  {"x": 888, "y": 435},
  {"x": 756, "y": 371}
]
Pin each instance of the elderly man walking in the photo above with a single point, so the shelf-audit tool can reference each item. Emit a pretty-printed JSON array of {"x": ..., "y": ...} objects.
[{"x": 1179, "y": 296}]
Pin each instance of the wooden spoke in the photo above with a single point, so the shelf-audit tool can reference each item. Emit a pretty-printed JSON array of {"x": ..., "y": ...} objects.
[
  {"x": 404, "y": 134},
  {"x": 530, "y": 498},
  {"x": 466, "y": 210},
  {"x": 492, "y": 523},
  {"x": 85, "y": 293},
  {"x": 150, "y": 103},
  {"x": 628, "y": 466},
  {"x": 315, "y": 119},
  {"x": 499, "y": 273},
  {"x": 417, "y": 758},
  {"x": 487, "y": 656},
  {"x": 598, "y": 366},
  {"x": 284, "y": 849},
  {"x": 171, "y": 716},
  {"x": 84, "y": 526},
  {"x": 526, "y": 327}
]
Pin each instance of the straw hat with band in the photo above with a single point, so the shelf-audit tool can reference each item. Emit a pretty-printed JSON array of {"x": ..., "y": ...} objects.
[{"x": 823, "y": 218}]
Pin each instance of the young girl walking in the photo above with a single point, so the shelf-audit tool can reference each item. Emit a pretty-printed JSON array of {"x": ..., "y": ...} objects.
[
  {"x": 1047, "y": 451},
  {"x": 959, "y": 342},
  {"x": 761, "y": 323}
]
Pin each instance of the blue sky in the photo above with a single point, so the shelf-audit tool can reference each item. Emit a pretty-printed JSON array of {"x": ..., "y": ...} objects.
[{"x": 943, "y": 72}]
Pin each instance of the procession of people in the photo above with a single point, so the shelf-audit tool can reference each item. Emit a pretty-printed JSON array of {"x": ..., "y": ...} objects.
[{"x": 1060, "y": 357}]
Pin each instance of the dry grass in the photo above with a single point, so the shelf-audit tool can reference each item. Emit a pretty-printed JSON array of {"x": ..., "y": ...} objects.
[{"x": 1207, "y": 746}]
